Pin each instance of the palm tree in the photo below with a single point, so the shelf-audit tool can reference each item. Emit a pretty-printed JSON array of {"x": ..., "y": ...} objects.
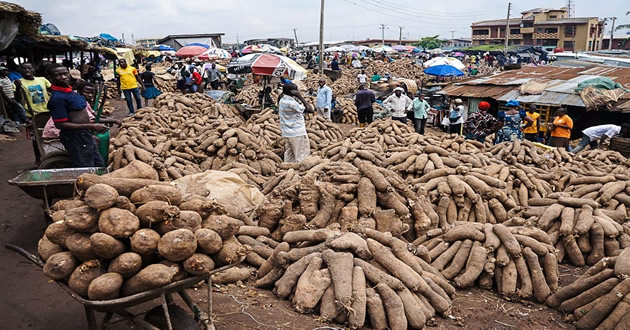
[{"x": 624, "y": 26}]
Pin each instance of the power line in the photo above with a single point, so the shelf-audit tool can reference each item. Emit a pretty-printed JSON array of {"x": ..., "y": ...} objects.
[
  {"x": 469, "y": 13},
  {"x": 377, "y": 4}
]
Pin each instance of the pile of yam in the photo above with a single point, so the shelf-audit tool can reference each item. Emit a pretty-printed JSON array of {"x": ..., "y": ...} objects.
[
  {"x": 128, "y": 235},
  {"x": 357, "y": 279}
]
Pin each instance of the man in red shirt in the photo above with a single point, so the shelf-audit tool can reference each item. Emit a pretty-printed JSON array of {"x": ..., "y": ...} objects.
[{"x": 196, "y": 80}]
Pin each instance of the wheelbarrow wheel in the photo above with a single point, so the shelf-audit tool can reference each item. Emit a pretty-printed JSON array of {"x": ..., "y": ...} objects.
[{"x": 55, "y": 161}]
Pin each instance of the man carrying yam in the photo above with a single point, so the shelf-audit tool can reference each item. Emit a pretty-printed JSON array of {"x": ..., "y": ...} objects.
[
  {"x": 67, "y": 109},
  {"x": 296, "y": 143}
]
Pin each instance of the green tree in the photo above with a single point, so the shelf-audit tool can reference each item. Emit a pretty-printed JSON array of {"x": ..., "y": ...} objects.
[
  {"x": 624, "y": 26},
  {"x": 430, "y": 43}
]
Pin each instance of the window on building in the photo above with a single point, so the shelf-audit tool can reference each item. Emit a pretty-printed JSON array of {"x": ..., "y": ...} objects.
[
  {"x": 569, "y": 31},
  {"x": 515, "y": 31},
  {"x": 568, "y": 45},
  {"x": 590, "y": 44},
  {"x": 481, "y": 32},
  {"x": 549, "y": 42},
  {"x": 553, "y": 16}
]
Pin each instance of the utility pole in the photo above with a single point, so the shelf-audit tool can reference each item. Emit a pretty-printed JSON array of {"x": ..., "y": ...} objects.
[
  {"x": 321, "y": 39},
  {"x": 383, "y": 27},
  {"x": 612, "y": 31},
  {"x": 452, "y": 34},
  {"x": 296, "y": 39},
  {"x": 507, "y": 28},
  {"x": 571, "y": 8},
  {"x": 123, "y": 36},
  {"x": 400, "y": 28},
  {"x": 238, "y": 44}
]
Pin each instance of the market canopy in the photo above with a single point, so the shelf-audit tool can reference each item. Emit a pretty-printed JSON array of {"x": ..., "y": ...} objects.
[
  {"x": 334, "y": 49},
  {"x": 347, "y": 47},
  {"x": 214, "y": 53},
  {"x": 267, "y": 65},
  {"x": 444, "y": 71},
  {"x": 360, "y": 48},
  {"x": 162, "y": 48},
  {"x": 381, "y": 49},
  {"x": 444, "y": 61},
  {"x": 190, "y": 51}
]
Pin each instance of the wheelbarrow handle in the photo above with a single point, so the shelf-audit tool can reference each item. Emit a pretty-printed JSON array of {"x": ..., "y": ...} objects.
[{"x": 31, "y": 257}]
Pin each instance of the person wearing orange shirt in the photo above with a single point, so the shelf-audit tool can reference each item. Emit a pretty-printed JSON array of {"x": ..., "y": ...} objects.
[
  {"x": 530, "y": 130},
  {"x": 561, "y": 129}
]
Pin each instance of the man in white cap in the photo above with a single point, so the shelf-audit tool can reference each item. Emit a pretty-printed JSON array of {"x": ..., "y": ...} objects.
[
  {"x": 457, "y": 116},
  {"x": 399, "y": 104}
]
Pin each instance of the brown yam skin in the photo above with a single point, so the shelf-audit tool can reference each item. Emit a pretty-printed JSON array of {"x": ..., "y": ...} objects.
[
  {"x": 578, "y": 287},
  {"x": 154, "y": 212},
  {"x": 231, "y": 275},
  {"x": 81, "y": 277},
  {"x": 46, "y": 248},
  {"x": 550, "y": 268},
  {"x": 123, "y": 202},
  {"x": 82, "y": 219},
  {"x": 509, "y": 278},
  {"x": 356, "y": 319},
  {"x": 60, "y": 265},
  {"x": 150, "y": 193},
  {"x": 327, "y": 308},
  {"x": 462, "y": 233},
  {"x": 459, "y": 260},
  {"x": 198, "y": 264},
  {"x": 126, "y": 264},
  {"x": 509, "y": 241},
  {"x": 81, "y": 246},
  {"x": 135, "y": 170},
  {"x": 190, "y": 220},
  {"x": 394, "y": 307},
  {"x": 526, "y": 290},
  {"x": 622, "y": 265},
  {"x": 145, "y": 242},
  {"x": 208, "y": 241},
  {"x": 375, "y": 309},
  {"x": 311, "y": 286},
  {"x": 150, "y": 277},
  {"x": 599, "y": 312},
  {"x": 614, "y": 318},
  {"x": 376, "y": 275},
  {"x": 366, "y": 196},
  {"x": 340, "y": 266},
  {"x": 106, "y": 246},
  {"x": 412, "y": 306},
  {"x": 100, "y": 196},
  {"x": 573, "y": 251},
  {"x": 223, "y": 225},
  {"x": 177, "y": 245},
  {"x": 118, "y": 223},
  {"x": 474, "y": 267},
  {"x": 66, "y": 204},
  {"x": 105, "y": 287},
  {"x": 552, "y": 212},
  {"x": 440, "y": 262},
  {"x": 284, "y": 286},
  {"x": 179, "y": 273},
  {"x": 541, "y": 289},
  {"x": 124, "y": 186},
  {"x": 588, "y": 295}
]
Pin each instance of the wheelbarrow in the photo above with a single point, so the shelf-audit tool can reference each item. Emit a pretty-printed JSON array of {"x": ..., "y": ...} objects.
[
  {"x": 51, "y": 184},
  {"x": 119, "y": 306}
]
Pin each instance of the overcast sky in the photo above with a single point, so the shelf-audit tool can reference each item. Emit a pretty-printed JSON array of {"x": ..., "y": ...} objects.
[{"x": 249, "y": 19}]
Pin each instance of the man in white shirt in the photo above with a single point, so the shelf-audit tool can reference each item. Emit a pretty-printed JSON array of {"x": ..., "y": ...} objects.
[
  {"x": 323, "y": 100},
  {"x": 296, "y": 143},
  {"x": 457, "y": 121},
  {"x": 597, "y": 135},
  {"x": 399, "y": 104},
  {"x": 362, "y": 77}
]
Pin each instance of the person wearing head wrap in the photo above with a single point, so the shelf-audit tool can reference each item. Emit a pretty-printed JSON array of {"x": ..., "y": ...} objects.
[
  {"x": 510, "y": 122},
  {"x": 480, "y": 123},
  {"x": 292, "y": 126}
]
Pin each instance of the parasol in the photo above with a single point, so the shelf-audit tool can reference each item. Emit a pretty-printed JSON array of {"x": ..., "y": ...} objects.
[
  {"x": 162, "y": 48},
  {"x": 347, "y": 47},
  {"x": 267, "y": 65},
  {"x": 198, "y": 44},
  {"x": 334, "y": 49},
  {"x": 360, "y": 48},
  {"x": 190, "y": 51},
  {"x": 381, "y": 49},
  {"x": 214, "y": 53},
  {"x": 444, "y": 61},
  {"x": 444, "y": 71}
]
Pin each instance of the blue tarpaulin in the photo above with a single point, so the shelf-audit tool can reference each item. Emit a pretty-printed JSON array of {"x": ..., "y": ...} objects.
[
  {"x": 107, "y": 37},
  {"x": 198, "y": 44},
  {"x": 162, "y": 48},
  {"x": 444, "y": 71}
]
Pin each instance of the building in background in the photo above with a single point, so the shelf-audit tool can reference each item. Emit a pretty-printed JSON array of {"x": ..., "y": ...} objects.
[
  {"x": 457, "y": 43},
  {"x": 543, "y": 27},
  {"x": 388, "y": 42},
  {"x": 178, "y": 41},
  {"x": 276, "y": 42},
  {"x": 313, "y": 46},
  {"x": 620, "y": 41},
  {"x": 147, "y": 42}
]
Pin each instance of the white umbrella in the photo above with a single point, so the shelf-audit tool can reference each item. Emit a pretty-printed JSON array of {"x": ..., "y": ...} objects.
[
  {"x": 215, "y": 53},
  {"x": 436, "y": 51},
  {"x": 360, "y": 48},
  {"x": 444, "y": 61},
  {"x": 380, "y": 49},
  {"x": 347, "y": 47},
  {"x": 334, "y": 49}
]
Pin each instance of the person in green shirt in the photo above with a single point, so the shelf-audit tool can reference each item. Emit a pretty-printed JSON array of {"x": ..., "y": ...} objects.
[
  {"x": 420, "y": 112},
  {"x": 376, "y": 77},
  {"x": 34, "y": 88}
]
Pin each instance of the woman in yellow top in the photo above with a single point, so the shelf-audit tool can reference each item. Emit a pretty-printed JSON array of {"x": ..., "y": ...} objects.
[
  {"x": 561, "y": 129},
  {"x": 531, "y": 128}
]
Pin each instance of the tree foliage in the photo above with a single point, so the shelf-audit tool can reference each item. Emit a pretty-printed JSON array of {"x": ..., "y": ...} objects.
[{"x": 430, "y": 43}]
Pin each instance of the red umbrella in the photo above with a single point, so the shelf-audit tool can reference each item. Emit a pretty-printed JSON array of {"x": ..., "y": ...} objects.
[{"x": 190, "y": 51}]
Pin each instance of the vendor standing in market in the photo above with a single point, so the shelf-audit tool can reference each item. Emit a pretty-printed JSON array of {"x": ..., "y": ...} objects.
[
  {"x": 296, "y": 143},
  {"x": 34, "y": 88},
  {"x": 560, "y": 129},
  {"x": 530, "y": 130},
  {"x": 323, "y": 100},
  {"x": 363, "y": 101},
  {"x": 130, "y": 84},
  {"x": 420, "y": 113},
  {"x": 399, "y": 104},
  {"x": 480, "y": 123},
  {"x": 67, "y": 109}
]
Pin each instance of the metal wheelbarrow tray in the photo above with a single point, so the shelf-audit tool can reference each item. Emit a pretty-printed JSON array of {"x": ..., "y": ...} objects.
[
  {"x": 53, "y": 183},
  {"x": 119, "y": 305}
]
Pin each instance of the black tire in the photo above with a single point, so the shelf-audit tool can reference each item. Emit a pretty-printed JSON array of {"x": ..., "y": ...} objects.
[{"x": 56, "y": 161}]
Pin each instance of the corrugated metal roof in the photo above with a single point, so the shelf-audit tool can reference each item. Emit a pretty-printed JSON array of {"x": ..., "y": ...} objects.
[
  {"x": 475, "y": 91},
  {"x": 546, "y": 97}
]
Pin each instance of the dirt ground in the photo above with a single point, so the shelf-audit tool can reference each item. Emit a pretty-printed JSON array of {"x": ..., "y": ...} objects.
[{"x": 32, "y": 301}]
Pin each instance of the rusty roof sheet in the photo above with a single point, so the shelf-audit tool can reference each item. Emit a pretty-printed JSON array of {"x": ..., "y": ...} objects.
[
  {"x": 475, "y": 91},
  {"x": 552, "y": 98}
]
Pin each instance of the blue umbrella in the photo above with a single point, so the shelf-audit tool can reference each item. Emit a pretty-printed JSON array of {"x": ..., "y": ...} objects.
[
  {"x": 444, "y": 71},
  {"x": 162, "y": 48},
  {"x": 198, "y": 44}
]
